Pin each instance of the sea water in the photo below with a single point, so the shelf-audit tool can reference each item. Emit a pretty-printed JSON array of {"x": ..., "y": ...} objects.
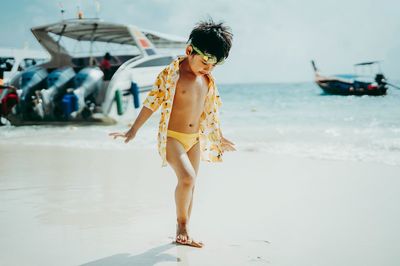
[
  {"x": 299, "y": 119},
  {"x": 294, "y": 119}
]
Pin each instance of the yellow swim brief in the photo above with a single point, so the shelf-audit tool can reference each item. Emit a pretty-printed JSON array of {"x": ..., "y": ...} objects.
[{"x": 187, "y": 140}]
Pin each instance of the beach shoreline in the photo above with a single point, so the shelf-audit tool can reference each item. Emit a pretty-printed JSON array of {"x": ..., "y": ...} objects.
[{"x": 76, "y": 206}]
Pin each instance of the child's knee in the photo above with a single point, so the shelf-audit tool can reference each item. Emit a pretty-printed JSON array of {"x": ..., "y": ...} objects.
[{"x": 187, "y": 180}]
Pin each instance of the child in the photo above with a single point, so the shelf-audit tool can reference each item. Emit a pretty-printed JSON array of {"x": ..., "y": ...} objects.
[{"x": 191, "y": 129}]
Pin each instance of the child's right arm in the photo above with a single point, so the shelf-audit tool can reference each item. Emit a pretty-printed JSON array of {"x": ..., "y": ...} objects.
[
  {"x": 150, "y": 105},
  {"x": 142, "y": 117}
]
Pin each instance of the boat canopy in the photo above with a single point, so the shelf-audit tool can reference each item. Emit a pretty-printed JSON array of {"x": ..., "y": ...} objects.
[
  {"x": 162, "y": 40},
  {"x": 96, "y": 30},
  {"x": 367, "y": 63},
  {"x": 100, "y": 31}
]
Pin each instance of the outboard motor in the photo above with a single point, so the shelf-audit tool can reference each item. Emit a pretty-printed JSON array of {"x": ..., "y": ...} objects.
[
  {"x": 380, "y": 79},
  {"x": 32, "y": 81},
  {"x": 58, "y": 81},
  {"x": 87, "y": 83}
]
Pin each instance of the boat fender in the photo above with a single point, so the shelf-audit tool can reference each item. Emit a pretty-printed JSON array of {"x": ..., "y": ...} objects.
[
  {"x": 118, "y": 101},
  {"x": 135, "y": 94}
]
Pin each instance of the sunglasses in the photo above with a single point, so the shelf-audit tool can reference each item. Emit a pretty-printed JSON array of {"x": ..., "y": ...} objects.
[{"x": 208, "y": 58}]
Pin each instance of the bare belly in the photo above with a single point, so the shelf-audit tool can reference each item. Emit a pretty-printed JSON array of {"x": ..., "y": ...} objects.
[{"x": 184, "y": 121}]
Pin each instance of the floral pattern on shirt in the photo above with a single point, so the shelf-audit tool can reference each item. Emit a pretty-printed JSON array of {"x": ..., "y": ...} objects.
[{"x": 162, "y": 94}]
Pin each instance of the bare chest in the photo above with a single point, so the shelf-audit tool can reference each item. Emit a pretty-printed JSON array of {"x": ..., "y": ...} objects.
[{"x": 190, "y": 92}]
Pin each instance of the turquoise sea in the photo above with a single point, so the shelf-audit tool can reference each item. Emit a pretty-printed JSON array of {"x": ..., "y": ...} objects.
[
  {"x": 290, "y": 119},
  {"x": 298, "y": 119}
]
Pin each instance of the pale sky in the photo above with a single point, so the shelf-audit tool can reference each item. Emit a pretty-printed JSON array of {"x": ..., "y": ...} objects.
[{"x": 274, "y": 41}]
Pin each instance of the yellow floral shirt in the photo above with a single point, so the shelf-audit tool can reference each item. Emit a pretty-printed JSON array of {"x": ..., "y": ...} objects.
[{"x": 162, "y": 94}]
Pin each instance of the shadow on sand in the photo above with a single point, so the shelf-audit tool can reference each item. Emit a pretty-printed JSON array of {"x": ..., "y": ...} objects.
[{"x": 147, "y": 258}]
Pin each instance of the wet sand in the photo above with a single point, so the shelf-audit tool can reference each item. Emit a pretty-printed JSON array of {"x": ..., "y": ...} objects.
[{"x": 76, "y": 206}]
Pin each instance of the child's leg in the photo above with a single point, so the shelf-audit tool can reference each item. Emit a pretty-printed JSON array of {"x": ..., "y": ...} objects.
[
  {"x": 186, "y": 174},
  {"x": 194, "y": 157}
]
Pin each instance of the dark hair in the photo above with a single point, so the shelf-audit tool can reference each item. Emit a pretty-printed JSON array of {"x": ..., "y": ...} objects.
[
  {"x": 107, "y": 56},
  {"x": 213, "y": 38}
]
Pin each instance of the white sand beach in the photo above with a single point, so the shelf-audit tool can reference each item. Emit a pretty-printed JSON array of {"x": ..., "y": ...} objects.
[{"x": 76, "y": 206}]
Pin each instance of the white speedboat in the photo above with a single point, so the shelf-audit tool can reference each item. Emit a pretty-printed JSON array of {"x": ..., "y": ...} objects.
[
  {"x": 13, "y": 61},
  {"x": 71, "y": 86}
]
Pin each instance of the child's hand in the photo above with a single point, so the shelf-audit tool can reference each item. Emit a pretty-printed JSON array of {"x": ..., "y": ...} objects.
[
  {"x": 227, "y": 145},
  {"x": 129, "y": 135}
]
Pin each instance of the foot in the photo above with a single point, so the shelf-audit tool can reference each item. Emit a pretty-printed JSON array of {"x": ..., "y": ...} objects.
[{"x": 183, "y": 238}]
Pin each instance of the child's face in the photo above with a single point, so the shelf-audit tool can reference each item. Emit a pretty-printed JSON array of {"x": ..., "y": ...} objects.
[{"x": 198, "y": 66}]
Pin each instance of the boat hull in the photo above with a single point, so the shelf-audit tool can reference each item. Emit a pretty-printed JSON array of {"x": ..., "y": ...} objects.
[{"x": 338, "y": 87}]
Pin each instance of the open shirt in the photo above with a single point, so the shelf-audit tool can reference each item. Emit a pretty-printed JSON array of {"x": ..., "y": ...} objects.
[{"x": 162, "y": 94}]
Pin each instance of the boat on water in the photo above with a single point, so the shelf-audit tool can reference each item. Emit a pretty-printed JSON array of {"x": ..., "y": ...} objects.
[
  {"x": 72, "y": 86},
  {"x": 366, "y": 81}
]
